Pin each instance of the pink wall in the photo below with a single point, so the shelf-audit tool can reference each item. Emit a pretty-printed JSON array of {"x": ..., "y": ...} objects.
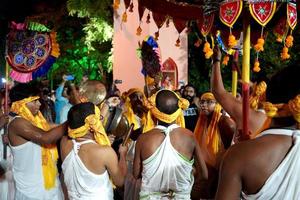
[{"x": 126, "y": 64}]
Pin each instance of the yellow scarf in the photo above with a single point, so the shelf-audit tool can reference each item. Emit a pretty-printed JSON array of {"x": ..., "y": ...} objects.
[
  {"x": 49, "y": 152},
  {"x": 91, "y": 122},
  {"x": 208, "y": 135},
  {"x": 146, "y": 120},
  {"x": 177, "y": 116},
  {"x": 259, "y": 91}
]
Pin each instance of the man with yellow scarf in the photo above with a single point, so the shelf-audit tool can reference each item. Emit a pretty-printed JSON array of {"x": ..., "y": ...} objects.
[
  {"x": 267, "y": 166},
  {"x": 88, "y": 159},
  {"x": 32, "y": 142},
  {"x": 164, "y": 156},
  {"x": 214, "y": 132}
]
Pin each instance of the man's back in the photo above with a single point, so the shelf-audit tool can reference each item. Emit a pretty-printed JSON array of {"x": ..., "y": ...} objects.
[
  {"x": 248, "y": 165},
  {"x": 181, "y": 139},
  {"x": 167, "y": 158}
]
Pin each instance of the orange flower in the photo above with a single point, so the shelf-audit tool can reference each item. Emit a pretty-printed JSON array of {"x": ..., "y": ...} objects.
[
  {"x": 225, "y": 60},
  {"x": 259, "y": 45},
  {"x": 285, "y": 55},
  {"x": 207, "y": 50},
  {"x": 256, "y": 67},
  {"x": 289, "y": 41},
  {"x": 232, "y": 41}
]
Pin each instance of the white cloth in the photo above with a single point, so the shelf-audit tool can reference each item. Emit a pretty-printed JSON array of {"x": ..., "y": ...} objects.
[
  {"x": 28, "y": 173},
  {"x": 82, "y": 183},
  {"x": 166, "y": 172},
  {"x": 7, "y": 186},
  {"x": 285, "y": 180}
]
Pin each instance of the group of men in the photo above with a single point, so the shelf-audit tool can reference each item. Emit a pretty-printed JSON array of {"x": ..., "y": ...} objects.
[{"x": 163, "y": 155}]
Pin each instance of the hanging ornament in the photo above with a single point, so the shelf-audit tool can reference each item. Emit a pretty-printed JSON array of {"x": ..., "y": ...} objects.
[
  {"x": 259, "y": 45},
  {"x": 225, "y": 60},
  {"x": 178, "y": 42},
  {"x": 116, "y": 4},
  {"x": 148, "y": 18},
  {"x": 131, "y": 6},
  {"x": 124, "y": 17},
  {"x": 229, "y": 12},
  {"x": 256, "y": 67},
  {"x": 289, "y": 41},
  {"x": 206, "y": 25},
  {"x": 284, "y": 54},
  {"x": 180, "y": 26},
  {"x": 292, "y": 15},
  {"x": 159, "y": 20},
  {"x": 168, "y": 22},
  {"x": 30, "y": 53},
  {"x": 207, "y": 50},
  {"x": 139, "y": 31}
]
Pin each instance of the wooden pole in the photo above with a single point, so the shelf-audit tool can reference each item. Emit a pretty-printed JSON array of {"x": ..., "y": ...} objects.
[{"x": 246, "y": 70}]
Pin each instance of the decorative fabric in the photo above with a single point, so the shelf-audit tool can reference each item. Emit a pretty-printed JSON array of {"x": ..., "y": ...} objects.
[
  {"x": 49, "y": 152},
  {"x": 176, "y": 116},
  {"x": 294, "y": 106},
  {"x": 92, "y": 122},
  {"x": 283, "y": 183},
  {"x": 208, "y": 134},
  {"x": 31, "y": 50},
  {"x": 167, "y": 174},
  {"x": 230, "y": 12},
  {"x": 208, "y": 21},
  {"x": 292, "y": 15},
  {"x": 262, "y": 11}
]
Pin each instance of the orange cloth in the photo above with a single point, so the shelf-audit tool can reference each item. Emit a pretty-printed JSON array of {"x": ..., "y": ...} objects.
[{"x": 208, "y": 135}]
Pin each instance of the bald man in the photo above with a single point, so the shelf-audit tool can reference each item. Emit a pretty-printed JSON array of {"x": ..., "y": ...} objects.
[{"x": 164, "y": 156}]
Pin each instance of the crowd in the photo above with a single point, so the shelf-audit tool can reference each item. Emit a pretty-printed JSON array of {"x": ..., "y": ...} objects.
[{"x": 183, "y": 145}]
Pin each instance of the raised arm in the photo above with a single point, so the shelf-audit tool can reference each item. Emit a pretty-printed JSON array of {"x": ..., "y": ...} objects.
[
  {"x": 229, "y": 103},
  {"x": 24, "y": 129}
]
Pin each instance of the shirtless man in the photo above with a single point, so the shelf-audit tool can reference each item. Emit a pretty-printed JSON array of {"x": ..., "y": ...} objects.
[
  {"x": 233, "y": 106},
  {"x": 267, "y": 167},
  {"x": 32, "y": 143},
  {"x": 164, "y": 156},
  {"x": 88, "y": 159}
]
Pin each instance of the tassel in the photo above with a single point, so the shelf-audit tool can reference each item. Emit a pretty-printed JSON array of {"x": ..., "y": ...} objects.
[
  {"x": 156, "y": 35},
  {"x": 225, "y": 60},
  {"x": 231, "y": 41},
  {"x": 177, "y": 42},
  {"x": 279, "y": 39},
  {"x": 259, "y": 45},
  {"x": 284, "y": 55},
  {"x": 256, "y": 67},
  {"x": 138, "y": 31},
  {"x": 124, "y": 17},
  {"x": 289, "y": 41},
  {"x": 168, "y": 22},
  {"x": 116, "y": 4},
  {"x": 148, "y": 19},
  {"x": 131, "y": 7},
  {"x": 198, "y": 42},
  {"x": 207, "y": 50}
]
